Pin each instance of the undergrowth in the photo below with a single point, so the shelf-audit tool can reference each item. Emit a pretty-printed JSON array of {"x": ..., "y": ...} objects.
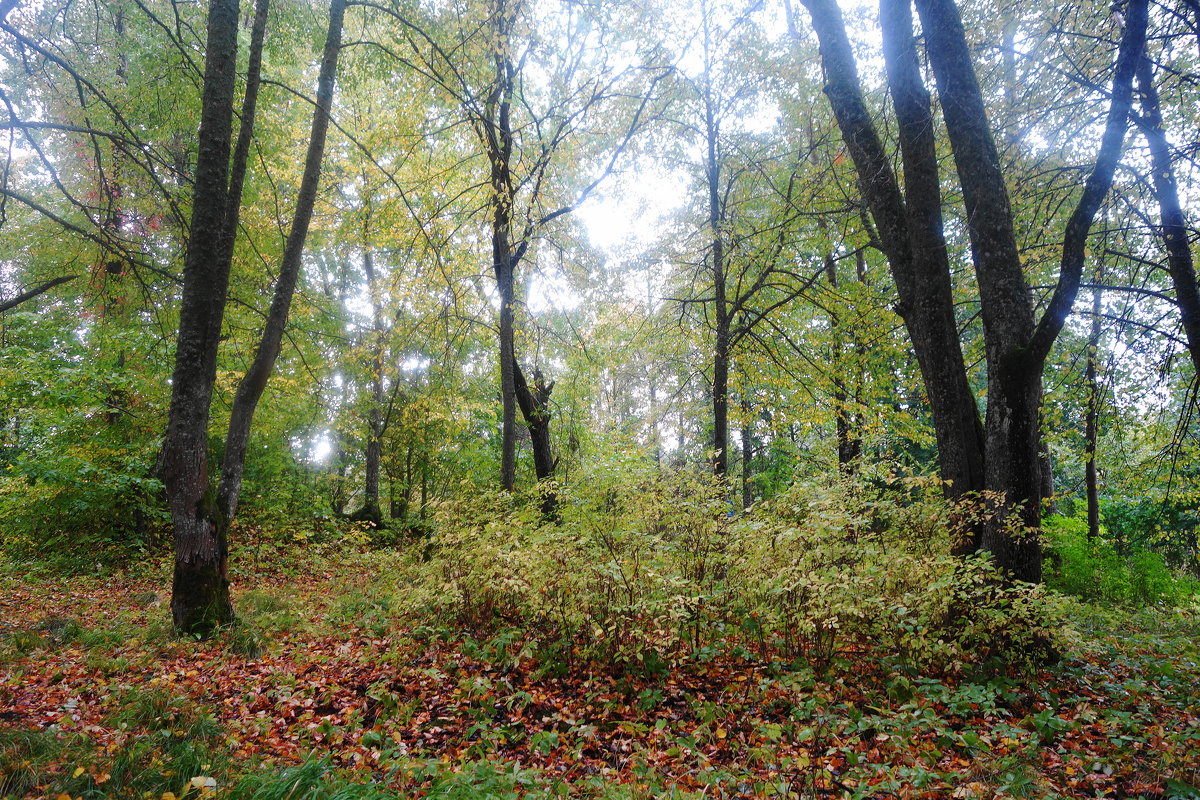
[
  {"x": 645, "y": 570},
  {"x": 820, "y": 645},
  {"x": 1102, "y": 571}
]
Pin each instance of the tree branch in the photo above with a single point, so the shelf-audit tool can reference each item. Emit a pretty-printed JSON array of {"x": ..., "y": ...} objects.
[{"x": 39, "y": 289}]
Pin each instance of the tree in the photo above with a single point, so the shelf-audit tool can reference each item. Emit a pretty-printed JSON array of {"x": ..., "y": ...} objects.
[
  {"x": 1001, "y": 459},
  {"x": 1173, "y": 227},
  {"x": 527, "y": 128},
  {"x": 749, "y": 208},
  {"x": 200, "y": 587},
  {"x": 200, "y": 514}
]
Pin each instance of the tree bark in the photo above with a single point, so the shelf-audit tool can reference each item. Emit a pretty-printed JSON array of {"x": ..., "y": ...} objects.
[
  {"x": 495, "y": 129},
  {"x": 909, "y": 231},
  {"x": 535, "y": 408},
  {"x": 376, "y": 425},
  {"x": 1172, "y": 223},
  {"x": 200, "y": 590},
  {"x": 720, "y": 381},
  {"x": 1012, "y": 476},
  {"x": 847, "y": 443},
  {"x": 41, "y": 288},
  {"x": 1016, "y": 347},
  {"x": 747, "y": 455},
  {"x": 402, "y": 500},
  {"x": 925, "y": 289},
  {"x": 1002, "y": 457},
  {"x": 1091, "y": 423}
]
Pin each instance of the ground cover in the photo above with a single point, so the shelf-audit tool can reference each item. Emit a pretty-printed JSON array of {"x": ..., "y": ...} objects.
[{"x": 327, "y": 690}]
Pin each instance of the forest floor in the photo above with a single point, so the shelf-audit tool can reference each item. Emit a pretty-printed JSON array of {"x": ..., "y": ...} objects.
[{"x": 324, "y": 693}]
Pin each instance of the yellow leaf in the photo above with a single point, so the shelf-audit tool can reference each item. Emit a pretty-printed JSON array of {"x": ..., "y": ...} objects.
[
  {"x": 721, "y": 733},
  {"x": 203, "y": 783}
]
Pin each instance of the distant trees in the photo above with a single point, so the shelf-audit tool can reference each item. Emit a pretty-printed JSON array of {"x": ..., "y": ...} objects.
[{"x": 751, "y": 320}]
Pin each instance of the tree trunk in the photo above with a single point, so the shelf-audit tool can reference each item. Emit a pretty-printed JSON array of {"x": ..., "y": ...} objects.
[
  {"x": 1002, "y": 457},
  {"x": 495, "y": 129},
  {"x": 1173, "y": 224},
  {"x": 849, "y": 446},
  {"x": 1011, "y": 473},
  {"x": 535, "y": 408},
  {"x": 254, "y": 382},
  {"x": 910, "y": 233},
  {"x": 370, "y": 511},
  {"x": 747, "y": 455},
  {"x": 402, "y": 500},
  {"x": 337, "y": 487},
  {"x": 1046, "y": 472},
  {"x": 424, "y": 487},
  {"x": 1091, "y": 423},
  {"x": 1016, "y": 347},
  {"x": 200, "y": 590},
  {"x": 508, "y": 419},
  {"x": 720, "y": 382},
  {"x": 924, "y": 285}
]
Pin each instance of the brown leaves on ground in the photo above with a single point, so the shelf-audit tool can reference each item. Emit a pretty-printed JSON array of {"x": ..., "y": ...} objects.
[{"x": 368, "y": 698}]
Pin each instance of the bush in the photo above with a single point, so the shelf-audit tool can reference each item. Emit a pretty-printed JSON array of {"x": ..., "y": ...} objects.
[
  {"x": 648, "y": 567},
  {"x": 871, "y": 564},
  {"x": 1098, "y": 572}
]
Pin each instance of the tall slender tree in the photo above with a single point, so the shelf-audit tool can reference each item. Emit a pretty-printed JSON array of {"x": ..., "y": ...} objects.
[
  {"x": 201, "y": 513},
  {"x": 527, "y": 130}
]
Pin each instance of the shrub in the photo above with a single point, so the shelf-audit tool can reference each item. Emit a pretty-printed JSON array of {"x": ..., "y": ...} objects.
[
  {"x": 1098, "y": 572},
  {"x": 647, "y": 567}
]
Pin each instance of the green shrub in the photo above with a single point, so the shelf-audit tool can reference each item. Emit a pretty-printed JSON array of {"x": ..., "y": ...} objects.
[
  {"x": 872, "y": 564},
  {"x": 1098, "y": 572},
  {"x": 647, "y": 567}
]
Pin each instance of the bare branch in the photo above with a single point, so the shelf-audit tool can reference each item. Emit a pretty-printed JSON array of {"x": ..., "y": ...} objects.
[{"x": 40, "y": 288}]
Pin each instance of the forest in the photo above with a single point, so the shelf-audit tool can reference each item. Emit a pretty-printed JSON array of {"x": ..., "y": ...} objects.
[{"x": 607, "y": 399}]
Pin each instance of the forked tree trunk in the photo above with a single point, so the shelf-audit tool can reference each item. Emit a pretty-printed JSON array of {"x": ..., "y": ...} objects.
[
  {"x": 254, "y": 382},
  {"x": 1017, "y": 348},
  {"x": 201, "y": 513},
  {"x": 1002, "y": 458},
  {"x": 909, "y": 227}
]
